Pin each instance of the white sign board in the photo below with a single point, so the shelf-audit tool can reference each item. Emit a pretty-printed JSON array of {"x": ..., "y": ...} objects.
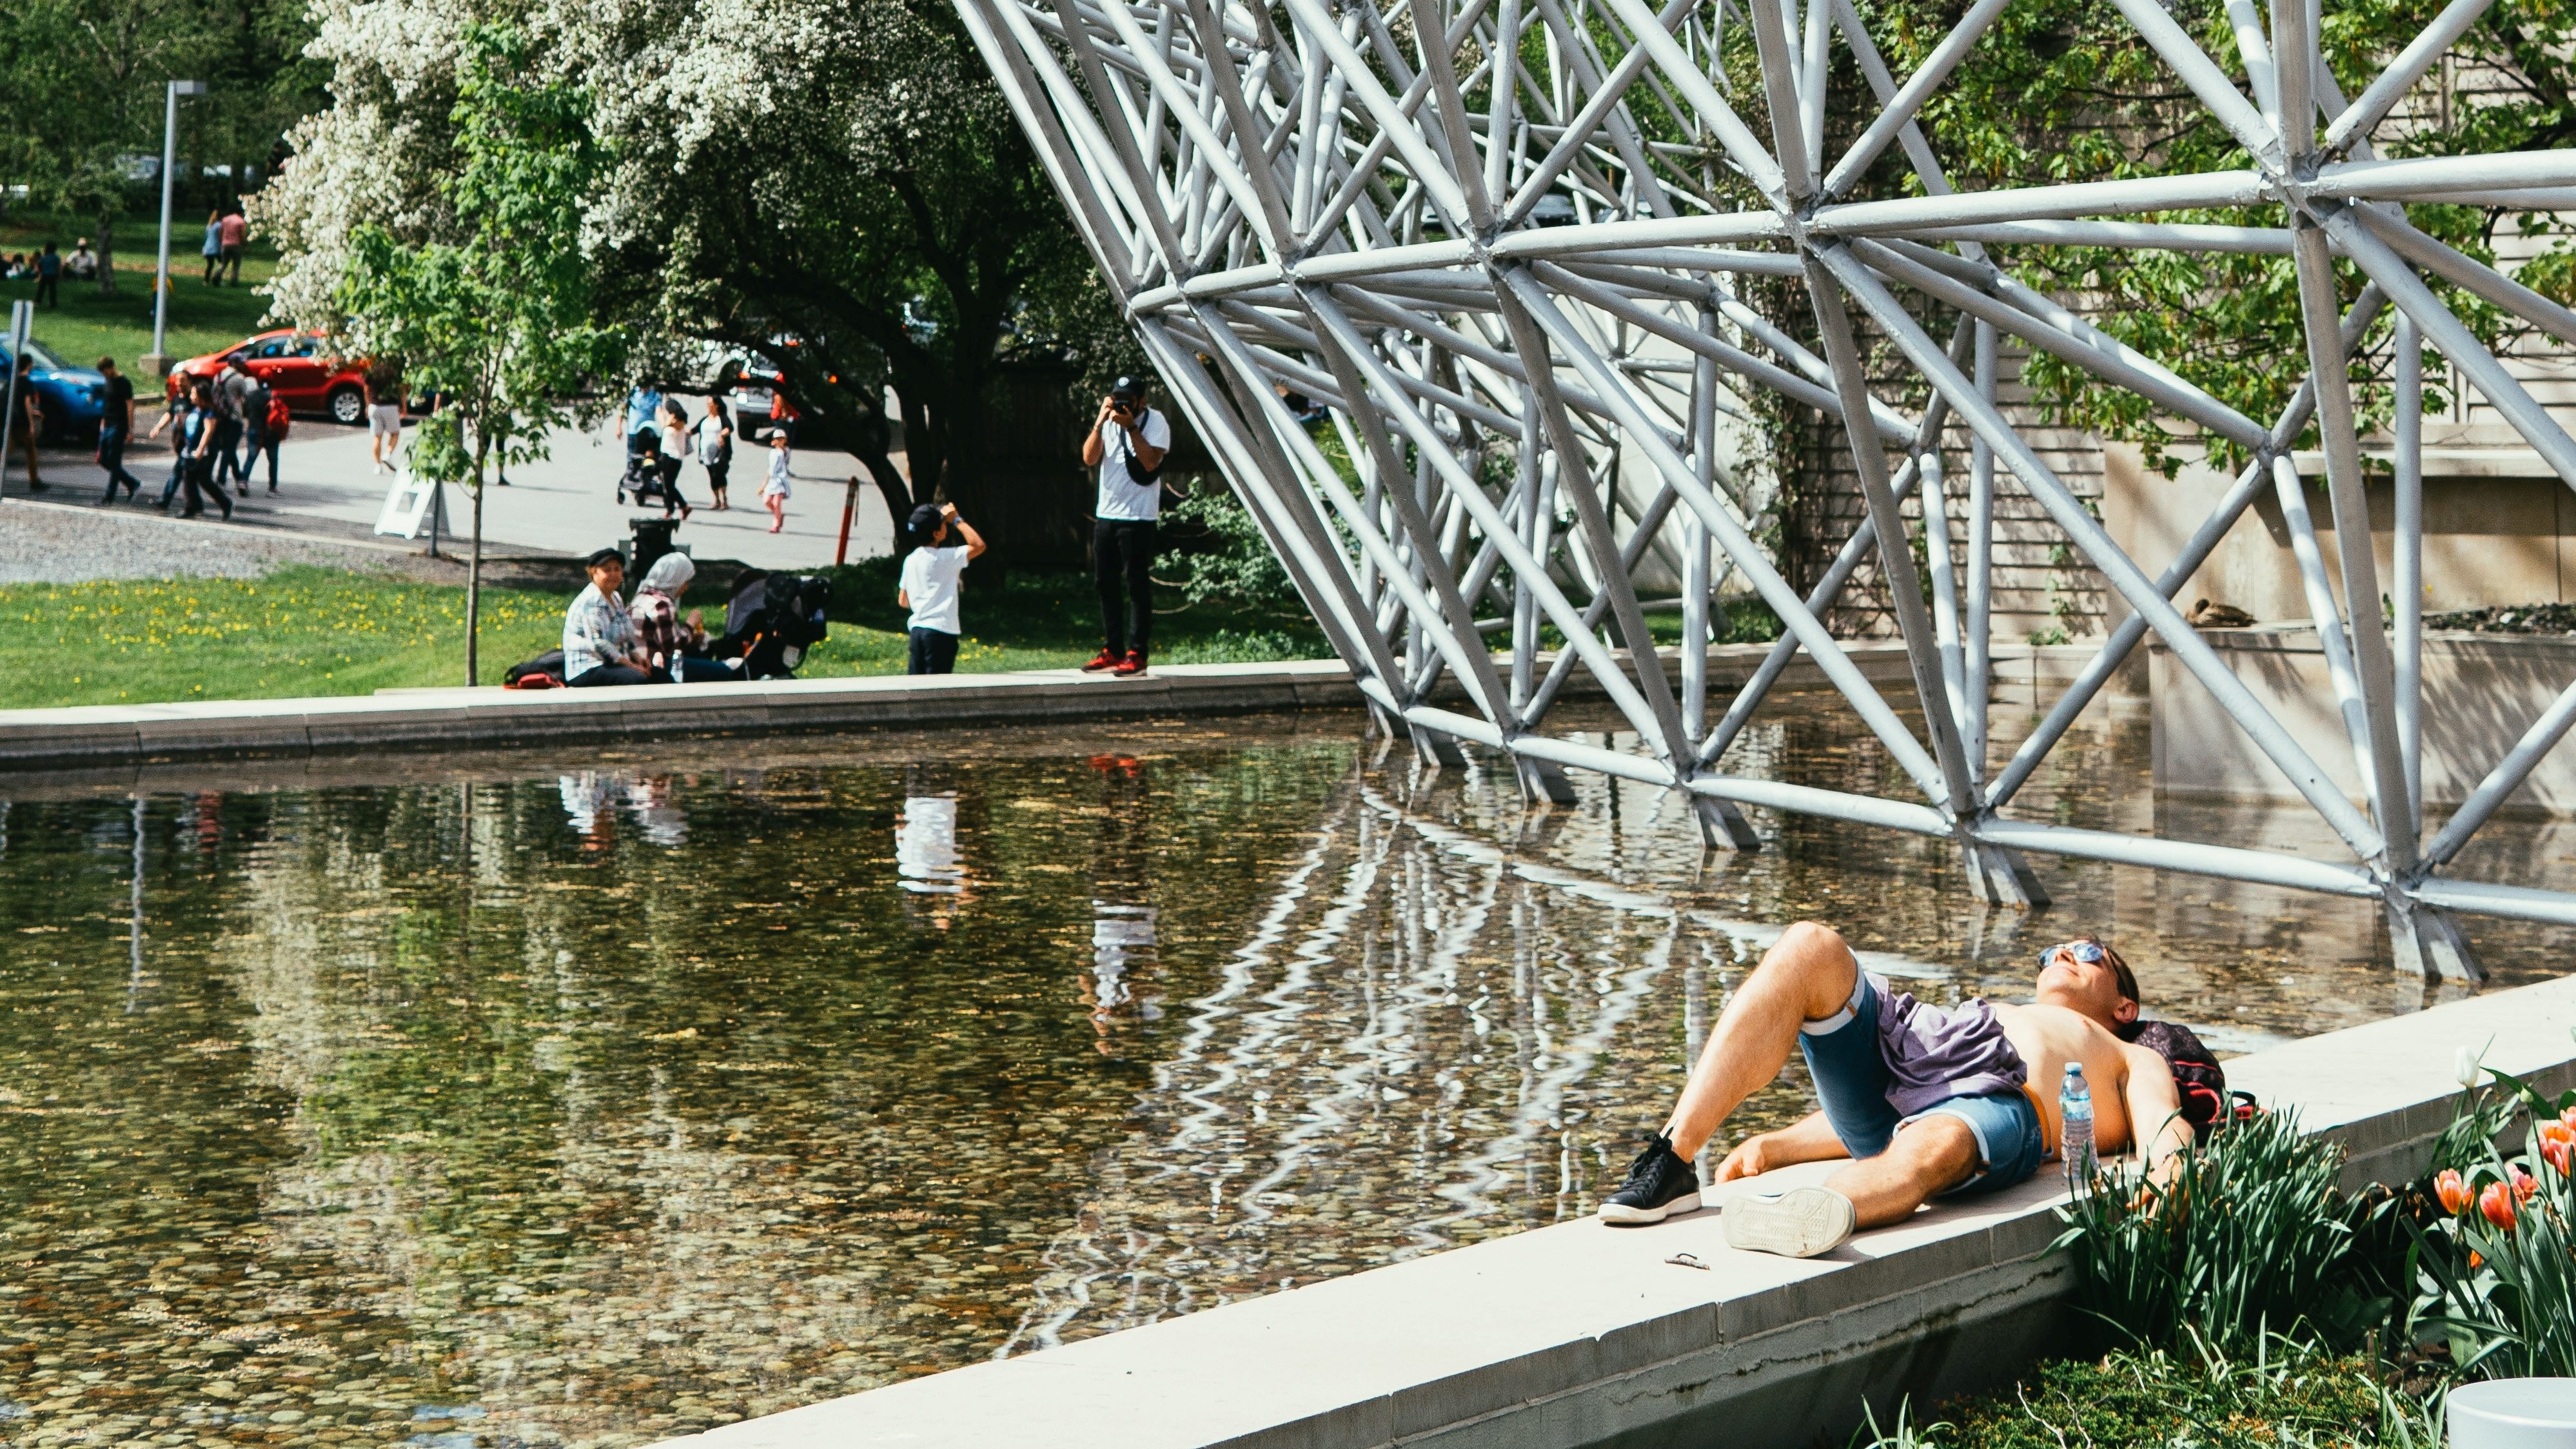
[{"x": 408, "y": 504}]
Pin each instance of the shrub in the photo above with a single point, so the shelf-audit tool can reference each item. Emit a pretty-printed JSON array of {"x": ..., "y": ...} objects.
[
  {"x": 2284, "y": 1394},
  {"x": 2496, "y": 1246},
  {"x": 2248, "y": 1236}
]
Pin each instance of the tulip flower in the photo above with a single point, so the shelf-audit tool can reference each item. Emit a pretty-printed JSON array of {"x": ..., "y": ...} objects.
[
  {"x": 2568, "y": 1117},
  {"x": 2453, "y": 1192},
  {"x": 2557, "y": 1143},
  {"x": 2465, "y": 1069},
  {"x": 2524, "y": 1185},
  {"x": 2497, "y": 1202}
]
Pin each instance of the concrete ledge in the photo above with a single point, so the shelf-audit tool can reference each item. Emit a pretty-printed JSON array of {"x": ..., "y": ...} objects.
[
  {"x": 103, "y": 737},
  {"x": 1584, "y": 1335}
]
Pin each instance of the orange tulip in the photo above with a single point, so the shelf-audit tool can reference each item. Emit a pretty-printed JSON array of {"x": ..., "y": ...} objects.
[
  {"x": 2568, "y": 1117},
  {"x": 2524, "y": 1185},
  {"x": 2557, "y": 1144},
  {"x": 2454, "y": 1193},
  {"x": 2496, "y": 1201}
]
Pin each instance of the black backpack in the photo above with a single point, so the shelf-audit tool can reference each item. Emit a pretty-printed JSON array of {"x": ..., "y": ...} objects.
[{"x": 2198, "y": 1079}]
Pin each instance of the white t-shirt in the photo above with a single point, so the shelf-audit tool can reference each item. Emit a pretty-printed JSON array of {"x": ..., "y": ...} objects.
[
  {"x": 1121, "y": 496},
  {"x": 930, "y": 581}
]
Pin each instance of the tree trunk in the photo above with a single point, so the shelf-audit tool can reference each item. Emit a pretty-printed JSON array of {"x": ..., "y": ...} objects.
[
  {"x": 107, "y": 249},
  {"x": 474, "y": 568},
  {"x": 868, "y": 442}
]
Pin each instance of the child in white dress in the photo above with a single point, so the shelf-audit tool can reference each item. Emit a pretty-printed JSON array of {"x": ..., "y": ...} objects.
[{"x": 773, "y": 493}]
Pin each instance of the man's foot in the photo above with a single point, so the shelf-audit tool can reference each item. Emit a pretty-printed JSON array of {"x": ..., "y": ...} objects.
[
  {"x": 1659, "y": 1185},
  {"x": 1133, "y": 664},
  {"x": 40, "y": 486},
  {"x": 1105, "y": 659},
  {"x": 1799, "y": 1223}
]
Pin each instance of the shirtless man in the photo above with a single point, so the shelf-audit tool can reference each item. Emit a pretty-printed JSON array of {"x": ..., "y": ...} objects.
[{"x": 1925, "y": 1101}]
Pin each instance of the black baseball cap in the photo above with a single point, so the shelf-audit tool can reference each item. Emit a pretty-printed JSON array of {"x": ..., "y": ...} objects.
[
  {"x": 925, "y": 520},
  {"x": 1127, "y": 386},
  {"x": 601, "y": 556}
]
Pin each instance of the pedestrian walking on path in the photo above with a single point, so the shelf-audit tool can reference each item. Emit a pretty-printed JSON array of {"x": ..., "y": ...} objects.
[
  {"x": 31, "y": 421},
  {"x": 943, "y": 544},
  {"x": 715, "y": 448},
  {"x": 773, "y": 494},
  {"x": 115, "y": 429},
  {"x": 1128, "y": 443},
  {"x": 382, "y": 381},
  {"x": 213, "y": 250},
  {"x": 174, "y": 419},
  {"x": 199, "y": 481},
  {"x": 232, "y": 404},
  {"x": 673, "y": 421},
  {"x": 279, "y": 421},
  {"x": 233, "y": 232}
]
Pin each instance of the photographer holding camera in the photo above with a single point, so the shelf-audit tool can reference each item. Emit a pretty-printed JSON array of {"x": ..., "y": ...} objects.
[{"x": 1127, "y": 444}]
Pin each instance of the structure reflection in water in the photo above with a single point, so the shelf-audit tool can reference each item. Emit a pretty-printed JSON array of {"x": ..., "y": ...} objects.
[{"x": 604, "y": 1102}]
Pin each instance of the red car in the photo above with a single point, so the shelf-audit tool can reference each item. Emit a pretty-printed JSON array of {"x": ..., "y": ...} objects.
[{"x": 293, "y": 365}]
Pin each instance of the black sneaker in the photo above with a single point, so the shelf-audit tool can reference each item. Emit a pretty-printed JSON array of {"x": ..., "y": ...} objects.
[{"x": 1659, "y": 1184}]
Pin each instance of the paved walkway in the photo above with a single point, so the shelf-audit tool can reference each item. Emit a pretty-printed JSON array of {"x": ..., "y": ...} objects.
[{"x": 327, "y": 488}]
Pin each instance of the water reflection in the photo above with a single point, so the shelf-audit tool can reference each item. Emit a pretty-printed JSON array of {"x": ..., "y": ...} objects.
[{"x": 608, "y": 1101}]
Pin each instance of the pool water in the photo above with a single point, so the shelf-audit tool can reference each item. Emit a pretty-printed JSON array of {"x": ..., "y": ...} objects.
[{"x": 593, "y": 1101}]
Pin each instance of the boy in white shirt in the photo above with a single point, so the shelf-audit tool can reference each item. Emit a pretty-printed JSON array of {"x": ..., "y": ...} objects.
[{"x": 930, "y": 582}]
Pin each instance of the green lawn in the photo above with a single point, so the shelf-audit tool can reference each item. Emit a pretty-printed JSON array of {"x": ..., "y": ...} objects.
[
  {"x": 312, "y": 631},
  {"x": 87, "y": 326}
]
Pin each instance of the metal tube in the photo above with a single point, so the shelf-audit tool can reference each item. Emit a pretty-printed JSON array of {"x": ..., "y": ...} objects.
[
  {"x": 1978, "y": 691},
  {"x": 1894, "y": 116},
  {"x": 169, "y": 169},
  {"x": 2504, "y": 779},
  {"x": 2191, "y": 857},
  {"x": 1695, "y": 544},
  {"x": 2086, "y": 533},
  {"x": 2429, "y": 45},
  {"x": 2406, "y": 581}
]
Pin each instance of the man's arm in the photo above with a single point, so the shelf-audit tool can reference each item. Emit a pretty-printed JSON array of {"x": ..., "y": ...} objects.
[
  {"x": 1093, "y": 450},
  {"x": 1809, "y": 1139},
  {"x": 2156, "y": 1126},
  {"x": 1148, "y": 456}
]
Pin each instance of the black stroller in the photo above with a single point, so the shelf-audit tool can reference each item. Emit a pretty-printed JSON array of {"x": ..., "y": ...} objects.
[
  {"x": 649, "y": 475},
  {"x": 771, "y": 621}
]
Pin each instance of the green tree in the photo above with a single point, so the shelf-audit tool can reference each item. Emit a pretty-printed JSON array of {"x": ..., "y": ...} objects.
[
  {"x": 494, "y": 316},
  {"x": 851, "y": 199}
]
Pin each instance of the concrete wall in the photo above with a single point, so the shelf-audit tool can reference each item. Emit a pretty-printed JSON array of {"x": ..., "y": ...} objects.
[
  {"x": 2499, "y": 527},
  {"x": 1583, "y": 1335},
  {"x": 2481, "y": 691}
]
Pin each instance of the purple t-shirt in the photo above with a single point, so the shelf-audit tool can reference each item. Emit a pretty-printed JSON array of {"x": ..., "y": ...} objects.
[{"x": 1934, "y": 1053}]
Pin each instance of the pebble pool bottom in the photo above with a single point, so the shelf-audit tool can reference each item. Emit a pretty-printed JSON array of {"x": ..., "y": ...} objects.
[{"x": 597, "y": 1100}]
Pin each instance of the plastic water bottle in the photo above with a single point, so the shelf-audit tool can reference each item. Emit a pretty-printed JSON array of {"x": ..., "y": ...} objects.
[{"x": 2075, "y": 1131}]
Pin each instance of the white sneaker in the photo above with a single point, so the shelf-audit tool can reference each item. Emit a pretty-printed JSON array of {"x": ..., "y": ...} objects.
[{"x": 1799, "y": 1223}]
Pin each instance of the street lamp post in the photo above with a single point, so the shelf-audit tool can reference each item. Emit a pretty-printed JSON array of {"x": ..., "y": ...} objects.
[{"x": 157, "y": 362}]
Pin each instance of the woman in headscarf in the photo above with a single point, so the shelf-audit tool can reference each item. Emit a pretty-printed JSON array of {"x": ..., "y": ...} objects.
[{"x": 677, "y": 645}]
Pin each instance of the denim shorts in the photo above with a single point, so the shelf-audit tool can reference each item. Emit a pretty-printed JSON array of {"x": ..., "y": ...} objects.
[{"x": 1852, "y": 1079}]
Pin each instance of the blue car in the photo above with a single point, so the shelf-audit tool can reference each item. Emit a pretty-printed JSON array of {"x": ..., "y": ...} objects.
[{"x": 71, "y": 398}]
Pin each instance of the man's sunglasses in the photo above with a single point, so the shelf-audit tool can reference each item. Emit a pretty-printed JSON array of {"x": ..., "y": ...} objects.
[{"x": 2085, "y": 953}]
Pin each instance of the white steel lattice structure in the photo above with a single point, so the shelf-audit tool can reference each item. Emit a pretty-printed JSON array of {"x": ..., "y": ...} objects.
[{"x": 1300, "y": 196}]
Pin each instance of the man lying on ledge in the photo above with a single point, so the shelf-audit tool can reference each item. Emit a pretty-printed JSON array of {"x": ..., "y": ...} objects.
[{"x": 1927, "y": 1102}]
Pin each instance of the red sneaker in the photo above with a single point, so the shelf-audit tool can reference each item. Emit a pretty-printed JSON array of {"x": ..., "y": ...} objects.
[
  {"x": 1103, "y": 660},
  {"x": 1134, "y": 663}
]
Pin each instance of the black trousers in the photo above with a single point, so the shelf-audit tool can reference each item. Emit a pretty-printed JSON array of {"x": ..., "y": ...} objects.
[
  {"x": 1122, "y": 555},
  {"x": 609, "y": 674},
  {"x": 934, "y": 651},
  {"x": 111, "y": 456}
]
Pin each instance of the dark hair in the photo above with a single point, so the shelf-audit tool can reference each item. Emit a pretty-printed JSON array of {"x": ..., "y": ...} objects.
[
  {"x": 603, "y": 555},
  {"x": 2121, "y": 975}
]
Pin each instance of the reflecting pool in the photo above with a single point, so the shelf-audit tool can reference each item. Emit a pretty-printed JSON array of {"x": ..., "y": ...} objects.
[{"x": 594, "y": 1100}]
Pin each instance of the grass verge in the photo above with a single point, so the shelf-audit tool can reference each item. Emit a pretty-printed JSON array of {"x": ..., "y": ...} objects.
[
  {"x": 87, "y": 325},
  {"x": 304, "y": 631}
]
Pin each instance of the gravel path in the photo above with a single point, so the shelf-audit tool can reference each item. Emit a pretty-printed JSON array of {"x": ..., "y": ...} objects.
[{"x": 42, "y": 543}]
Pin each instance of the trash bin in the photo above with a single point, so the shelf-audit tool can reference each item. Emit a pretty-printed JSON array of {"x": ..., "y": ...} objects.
[
  {"x": 652, "y": 539},
  {"x": 2514, "y": 1414}
]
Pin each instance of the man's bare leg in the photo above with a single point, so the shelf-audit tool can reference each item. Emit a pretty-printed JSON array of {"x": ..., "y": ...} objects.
[
  {"x": 1932, "y": 1154},
  {"x": 1807, "y": 975}
]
